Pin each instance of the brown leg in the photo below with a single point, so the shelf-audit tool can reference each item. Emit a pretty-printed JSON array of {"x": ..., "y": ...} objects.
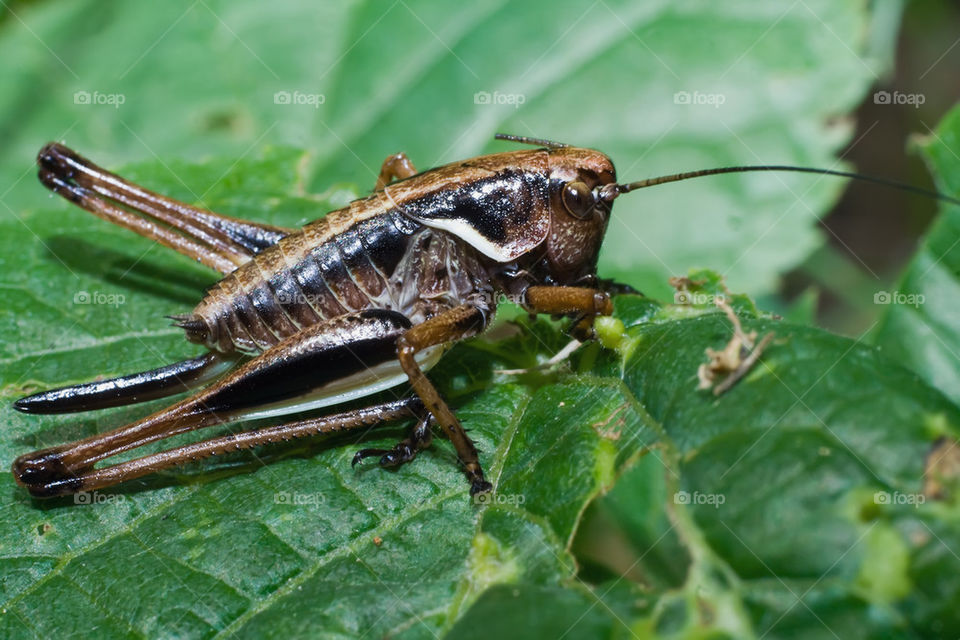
[
  {"x": 456, "y": 324},
  {"x": 395, "y": 167},
  {"x": 45, "y": 485},
  {"x": 303, "y": 363},
  {"x": 582, "y": 302}
]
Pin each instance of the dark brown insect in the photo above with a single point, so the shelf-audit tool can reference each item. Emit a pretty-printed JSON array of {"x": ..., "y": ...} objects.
[{"x": 363, "y": 299}]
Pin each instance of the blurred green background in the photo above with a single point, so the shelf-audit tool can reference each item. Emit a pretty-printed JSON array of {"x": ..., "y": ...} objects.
[{"x": 871, "y": 232}]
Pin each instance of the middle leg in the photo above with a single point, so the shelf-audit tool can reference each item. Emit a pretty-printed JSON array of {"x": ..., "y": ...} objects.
[{"x": 455, "y": 324}]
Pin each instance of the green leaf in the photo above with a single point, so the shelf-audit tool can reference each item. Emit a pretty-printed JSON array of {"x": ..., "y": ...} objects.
[
  {"x": 921, "y": 326},
  {"x": 526, "y": 610},
  {"x": 790, "y": 506},
  {"x": 221, "y": 549},
  {"x": 802, "y": 485},
  {"x": 817, "y": 407}
]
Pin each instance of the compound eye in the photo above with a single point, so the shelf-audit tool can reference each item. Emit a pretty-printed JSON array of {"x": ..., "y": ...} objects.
[{"x": 578, "y": 199}]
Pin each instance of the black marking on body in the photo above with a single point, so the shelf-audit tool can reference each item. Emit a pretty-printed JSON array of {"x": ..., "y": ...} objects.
[
  {"x": 494, "y": 207},
  {"x": 354, "y": 344},
  {"x": 352, "y": 253},
  {"x": 270, "y": 310},
  {"x": 386, "y": 238},
  {"x": 309, "y": 277},
  {"x": 252, "y": 237}
]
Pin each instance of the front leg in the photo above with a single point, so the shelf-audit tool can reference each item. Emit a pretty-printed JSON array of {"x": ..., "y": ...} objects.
[
  {"x": 456, "y": 324},
  {"x": 584, "y": 303}
]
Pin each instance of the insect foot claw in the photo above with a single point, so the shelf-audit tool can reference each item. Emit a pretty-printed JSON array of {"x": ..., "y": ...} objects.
[
  {"x": 367, "y": 453},
  {"x": 398, "y": 455},
  {"x": 480, "y": 487}
]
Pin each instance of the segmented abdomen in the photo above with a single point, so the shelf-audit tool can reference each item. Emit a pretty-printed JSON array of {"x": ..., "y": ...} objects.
[{"x": 329, "y": 268}]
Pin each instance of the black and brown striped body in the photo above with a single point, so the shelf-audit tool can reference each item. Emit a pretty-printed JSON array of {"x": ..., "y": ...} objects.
[
  {"x": 445, "y": 237},
  {"x": 307, "y": 277}
]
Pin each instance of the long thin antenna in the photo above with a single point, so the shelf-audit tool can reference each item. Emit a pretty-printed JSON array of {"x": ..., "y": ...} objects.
[
  {"x": 612, "y": 191},
  {"x": 538, "y": 142}
]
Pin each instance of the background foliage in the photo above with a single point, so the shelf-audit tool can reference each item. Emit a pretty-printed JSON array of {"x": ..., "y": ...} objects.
[{"x": 818, "y": 456}]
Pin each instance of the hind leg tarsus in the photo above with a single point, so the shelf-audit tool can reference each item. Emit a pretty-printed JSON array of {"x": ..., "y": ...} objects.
[{"x": 404, "y": 451}]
